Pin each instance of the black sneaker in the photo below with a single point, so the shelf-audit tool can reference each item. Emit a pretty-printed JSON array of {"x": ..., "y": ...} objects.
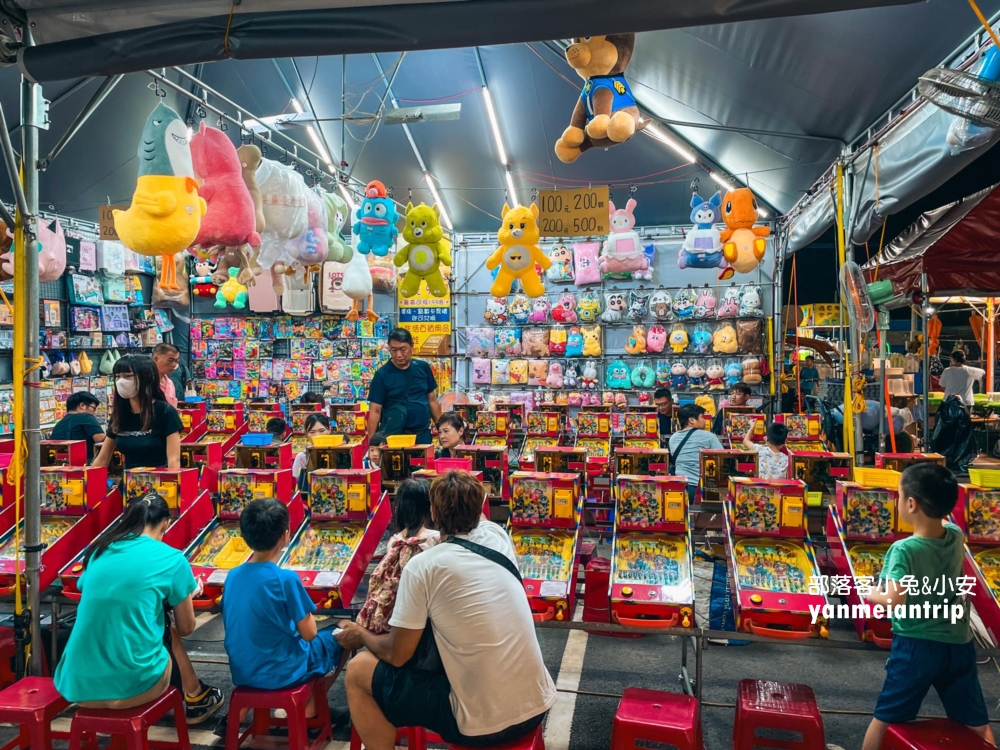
[{"x": 204, "y": 704}]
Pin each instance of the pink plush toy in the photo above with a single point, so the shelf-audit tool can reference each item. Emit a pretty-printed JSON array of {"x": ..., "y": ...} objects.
[
  {"x": 623, "y": 253},
  {"x": 51, "y": 252},
  {"x": 656, "y": 339},
  {"x": 231, "y": 219},
  {"x": 555, "y": 376}
]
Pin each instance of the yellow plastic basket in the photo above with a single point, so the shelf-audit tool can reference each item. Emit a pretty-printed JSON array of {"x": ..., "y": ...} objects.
[
  {"x": 401, "y": 441},
  {"x": 871, "y": 477},
  {"x": 814, "y": 499},
  {"x": 327, "y": 441},
  {"x": 985, "y": 478}
]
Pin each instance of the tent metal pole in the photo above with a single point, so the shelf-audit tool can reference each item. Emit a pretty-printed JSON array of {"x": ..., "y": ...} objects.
[
  {"x": 106, "y": 87},
  {"x": 32, "y": 119},
  {"x": 926, "y": 375},
  {"x": 307, "y": 95},
  {"x": 991, "y": 353},
  {"x": 13, "y": 170}
]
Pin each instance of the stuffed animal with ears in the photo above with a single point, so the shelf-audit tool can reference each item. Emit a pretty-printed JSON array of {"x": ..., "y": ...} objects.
[
  {"x": 704, "y": 306},
  {"x": 564, "y": 310},
  {"x": 743, "y": 244},
  {"x": 606, "y": 112},
  {"x": 636, "y": 343},
  {"x": 656, "y": 339},
  {"x": 232, "y": 257},
  {"x": 231, "y": 218},
  {"x": 337, "y": 214},
  {"x": 678, "y": 339},
  {"x": 643, "y": 376},
  {"x": 426, "y": 250},
  {"x": 618, "y": 375},
  {"x": 232, "y": 292},
  {"x": 623, "y": 255},
  {"x": 51, "y": 250},
  {"x": 166, "y": 210},
  {"x": 589, "y": 377},
  {"x": 376, "y": 222},
  {"x": 702, "y": 246},
  {"x": 614, "y": 307},
  {"x": 519, "y": 309},
  {"x": 724, "y": 340},
  {"x": 518, "y": 253},
  {"x": 591, "y": 341},
  {"x": 572, "y": 377},
  {"x": 729, "y": 307},
  {"x": 662, "y": 374},
  {"x": 539, "y": 310},
  {"x": 734, "y": 373},
  {"x": 201, "y": 282},
  {"x": 250, "y": 156},
  {"x": 359, "y": 286},
  {"x": 555, "y": 378},
  {"x": 574, "y": 343},
  {"x": 661, "y": 304}
]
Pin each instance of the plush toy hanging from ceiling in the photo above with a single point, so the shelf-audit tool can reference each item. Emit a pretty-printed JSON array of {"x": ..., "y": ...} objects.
[
  {"x": 377, "y": 218},
  {"x": 166, "y": 209},
  {"x": 518, "y": 254},
  {"x": 743, "y": 244},
  {"x": 358, "y": 285},
  {"x": 426, "y": 250},
  {"x": 606, "y": 113},
  {"x": 337, "y": 214},
  {"x": 231, "y": 218},
  {"x": 702, "y": 246}
]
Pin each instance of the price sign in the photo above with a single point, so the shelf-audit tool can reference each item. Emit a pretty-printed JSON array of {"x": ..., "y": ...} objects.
[
  {"x": 573, "y": 213},
  {"x": 107, "y": 222}
]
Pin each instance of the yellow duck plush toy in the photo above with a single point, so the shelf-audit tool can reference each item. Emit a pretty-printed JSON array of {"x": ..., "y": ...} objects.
[
  {"x": 166, "y": 210},
  {"x": 518, "y": 252},
  {"x": 426, "y": 250}
]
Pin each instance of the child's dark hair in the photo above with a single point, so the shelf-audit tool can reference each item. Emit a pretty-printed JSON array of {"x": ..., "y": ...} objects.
[
  {"x": 413, "y": 506},
  {"x": 276, "y": 426},
  {"x": 263, "y": 523},
  {"x": 316, "y": 418},
  {"x": 777, "y": 433},
  {"x": 933, "y": 486},
  {"x": 688, "y": 412},
  {"x": 311, "y": 398},
  {"x": 377, "y": 441},
  {"x": 148, "y": 510},
  {"x": 454, "y": 421}
]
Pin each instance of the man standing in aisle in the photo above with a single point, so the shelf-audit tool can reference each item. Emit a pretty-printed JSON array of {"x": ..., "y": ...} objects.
[
  {"x": 167, "y": 357},
  {"x": 957, "y": 380},
  {"x": 403, "y": 394}
]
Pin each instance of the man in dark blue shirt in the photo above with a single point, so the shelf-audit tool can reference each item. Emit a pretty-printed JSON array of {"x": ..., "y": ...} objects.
[
  {"x": 80, "y": 422},
  {"x": 403, "y": 394}
]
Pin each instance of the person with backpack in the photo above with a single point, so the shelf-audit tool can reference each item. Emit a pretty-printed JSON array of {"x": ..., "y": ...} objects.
[{"x": 687, "y": 443}]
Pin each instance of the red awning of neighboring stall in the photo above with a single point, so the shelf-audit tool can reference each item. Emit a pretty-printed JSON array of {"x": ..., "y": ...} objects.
[{"x": 956, "y": 245}]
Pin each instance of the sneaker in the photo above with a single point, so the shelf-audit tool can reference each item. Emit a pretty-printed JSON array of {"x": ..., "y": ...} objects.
[{"x": 204, "y": 705}]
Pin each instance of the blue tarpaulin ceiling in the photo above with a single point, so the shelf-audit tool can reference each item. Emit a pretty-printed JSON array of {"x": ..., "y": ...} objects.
[{"x": 827, "y": 75}]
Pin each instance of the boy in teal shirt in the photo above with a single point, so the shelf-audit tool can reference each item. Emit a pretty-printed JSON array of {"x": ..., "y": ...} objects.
[{"x": 932, "y": 644}]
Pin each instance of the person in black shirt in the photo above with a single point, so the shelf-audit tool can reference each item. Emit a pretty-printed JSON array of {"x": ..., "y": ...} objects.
[
  {"x": 663, "y": 400},
  {"x": 80, "y": 422},
  {"x": 403, "y": 393},
  {"x": 143, "y": 427}
]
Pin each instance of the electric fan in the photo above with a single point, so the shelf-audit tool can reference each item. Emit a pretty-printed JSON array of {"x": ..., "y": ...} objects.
[
  {"x": 861, "y": 298},
  {"x": 971, "y": 96},
  {"x": 449, "y": 399}
]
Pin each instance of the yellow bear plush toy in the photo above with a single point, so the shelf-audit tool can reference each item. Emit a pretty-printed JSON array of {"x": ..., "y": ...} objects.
[
  {"x": 426, "y": 250},
  {"x": 518, "y": 252}
]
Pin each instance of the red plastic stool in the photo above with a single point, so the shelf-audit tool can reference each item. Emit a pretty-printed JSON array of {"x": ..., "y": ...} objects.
[
  {"x": 932, "y": 734},
  {"x": 293, "y": 701},
  {"x": 133, "y": 723},
  {"x": 651, "y": 716},
  {"x": 415, "y": 737},
  {"x": 31, "y": 703},
  {"x": 531, "y": 741},
  {"x": 777, "y": 706}
]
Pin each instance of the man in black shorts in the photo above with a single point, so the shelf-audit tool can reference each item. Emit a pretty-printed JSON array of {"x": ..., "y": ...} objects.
[{"x": 468, "y": 591}]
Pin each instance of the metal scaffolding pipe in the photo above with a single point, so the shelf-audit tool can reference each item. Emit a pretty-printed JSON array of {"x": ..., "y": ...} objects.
[
  {"x": 106, "y": 87},
  {"x": 12, "y": 166}
]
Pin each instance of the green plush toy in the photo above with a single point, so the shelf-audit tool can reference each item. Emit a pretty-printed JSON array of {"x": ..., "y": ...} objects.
[
  {"x": 337, "y": 213},
  {"x": 426, "y": 250}
]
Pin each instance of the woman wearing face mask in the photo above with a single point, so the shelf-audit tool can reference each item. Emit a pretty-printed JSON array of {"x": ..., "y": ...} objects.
[{"x": 143, "y": 427}]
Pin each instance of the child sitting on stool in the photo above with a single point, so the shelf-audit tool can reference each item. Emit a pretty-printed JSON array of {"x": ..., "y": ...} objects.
[
  {"x": 930, "y": 650},
  {"x": 276, "y": 427},
  {"x": 271, "y": 634},
  {"x": 374, "y": 458}
]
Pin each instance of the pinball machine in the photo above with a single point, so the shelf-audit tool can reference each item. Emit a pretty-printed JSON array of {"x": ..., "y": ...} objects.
[
  {"x": 805, "y": 431},
  {"x": 297, "y": 416},
  {"x": 900, "y": 461},
  {"x": 493, "y": 428},
  {"x": 860, "y": 527},
  {"x": 542, "y": 429},
  {"x": 640, "y": 429},
  {"x": 515, "y": 411},
  {"x": 261, "y": 413},
  {"x": 771, "y": 559},
  {"x": 735, "y": 425},
  {"x": 652, "y": 562},
  {"x": 401, "y": 457},
  {"x": 207, "y": 458},
  {"x": 194, "y": 417},
  {"x": 64, "y": 453},
  {"x": 718, "y": 466},
  {"x": 353, "y": 425},
  {"x": 593, "y": 434},
  {"x": 641, "y": 461},
  {"x": 330, "y": 551},
  {"x": 225, "y": 424},
  {"x": 978, "y": 514},
  {"x": 219, "y": 547},
  {"x": 468, "y": 412},
  {"x": 545, "y": 512},
  {"x": 265, "y": 456}
]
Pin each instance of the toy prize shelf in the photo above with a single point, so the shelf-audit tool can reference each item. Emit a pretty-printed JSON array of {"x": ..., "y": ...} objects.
[{"x": 277, "y": 357}]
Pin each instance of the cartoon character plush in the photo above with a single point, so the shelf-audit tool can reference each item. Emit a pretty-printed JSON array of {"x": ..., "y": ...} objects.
[
  {"x": 557, "y": 340},
  {"x": 501, "y": 372},
  {"x": 555, "y": 377},
  {"x": 614, "y": 307},
  {"x": 589, "y": 307},
  {"x": 230, "y": 219},
  {"x": 166, "y": 210},
  {"x": 51, "y": 244},
  {"x": 662, "y": 374},
  {"x": 574, "y": 343},
  {"x": 481, "y": 371},
  {"x": 734, "y": 373},
  {"x": 591, "y": 341},
  {"x": 678, "y": 376},
  {"x": 232, "y": 292},
  {"x": 572, "y": 377},
  {"x": 561, "y": 270},
  {"x": 638, "y": 299},
  {"x": 518, "y": 252},
  {"x": 702, "y": 246},
  {"x": 606, "y": 112},
  {"x": 426, "y": 250},
  {"x": 519, "y": 309},
  {"x": 661, "y": 305},
  {"x": 623, "y": 255},
  {"x": 750, "y": 301},
  {"x": 729, "y": 307},
  {"x": 701, "y": 340},
  {"x": 618, "y": 375},
  {"x": 643, "y": 376},
  {"x": 201, "y": 281},
  {"x": 496, "y": 311},
  {"x": 716, "y": 375},
  {"x": 589, "y": 377},
  {"x": 538, "y": 370},
  {"x": 684, "y": 304},
  {"x": 696, "y": 375},
  {"x": 678, "y": 339},
  {"x": 337, "y": 214},
  {"x": 376, "y": 224},
  {"x": 564, "y": 310},
  {"x": 636, "y": 343},
  {"x": 657, "y": 339},
  {"x": 704, "y": 306},
  {"x": 724, "y": 340},
  {"x": 518, "y": 371},
  {"x": 743, "y": 244},
  {"x": 707, "y": 403}
]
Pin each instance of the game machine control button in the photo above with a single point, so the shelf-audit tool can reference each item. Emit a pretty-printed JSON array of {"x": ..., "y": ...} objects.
[
  {"x": 686, "y": 615},
  {"x": 627, "y": 591},
  {"x": 756, "y": 598},
  {"x": 77, "y": 568}
]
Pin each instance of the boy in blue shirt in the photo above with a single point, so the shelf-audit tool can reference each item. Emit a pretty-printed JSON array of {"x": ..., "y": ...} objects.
[
  {"x": 271, "y": 635},
  {"x": 931, "y": 644}
]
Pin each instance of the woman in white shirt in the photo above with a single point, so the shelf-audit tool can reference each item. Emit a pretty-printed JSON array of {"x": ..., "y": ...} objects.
[{"x": 316, "y": 424}]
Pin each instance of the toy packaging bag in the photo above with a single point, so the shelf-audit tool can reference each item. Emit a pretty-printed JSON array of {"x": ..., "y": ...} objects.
[
  {"x": 557, "y": 340},
  {"x": 519, "y": 372},
  {"x": 705, "y": 303},
  {"x": 586, "y": 267},
  {"x": 684, "y": 302},
  {"x": 562, "y": 270},
  {"x": 534, "y": 342},
  {"x": 678, "y": 338},
  {"x": 588, "y": 307},
  {"x": 501, "y": 372},
  {"x": 724, "y": 339},
  {"x": 496, "y": 311},
  {"x": 480, "y": 342},
  {"x": 729, "y": 305},
  {"x": 481, "y": 371},
  {"x": 638, "y": 301},
  {"x": 748, "y": 336},
  {"x": 750, "y": 301},
  {"x": 661, "y": 305},
  {"x": 519, "y": 310},
  {"x": 538, "y": 371},
  {"x": 701, "y": 339},
  {"x": 564, "y": 309},
  {"x": 508, "y": 342}
]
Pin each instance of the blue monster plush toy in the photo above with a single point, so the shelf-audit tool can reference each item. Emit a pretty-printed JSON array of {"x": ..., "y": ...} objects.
[
  {"x": 574, "y": 343},
  {"x": 618, "y": 375},
  {"x": 376, "y": 225},
  {"x": 702, "y": 247},
  {"x": 701, "y": 340},
  {"x": 734, "y": 373}
]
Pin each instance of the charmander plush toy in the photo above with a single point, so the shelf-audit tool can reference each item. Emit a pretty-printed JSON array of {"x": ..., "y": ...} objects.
[
  {"x": 166, "y": 210},
  {"x": 231, "y": 218},
  {"x": 606, "y": 113},
  {"x": 743, "y": 244},
  {"x": 518, "y": 253},
  {"x": 426, "y": 250}
]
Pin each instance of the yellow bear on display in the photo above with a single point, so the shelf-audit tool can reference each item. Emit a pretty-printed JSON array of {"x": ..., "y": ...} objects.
[
  {"x": 426, "y": 251},
  {"x": 518, "y": 252}
]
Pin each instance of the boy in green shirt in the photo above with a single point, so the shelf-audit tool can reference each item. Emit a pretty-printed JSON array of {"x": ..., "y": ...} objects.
[{"x": 931, "y": 644}]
